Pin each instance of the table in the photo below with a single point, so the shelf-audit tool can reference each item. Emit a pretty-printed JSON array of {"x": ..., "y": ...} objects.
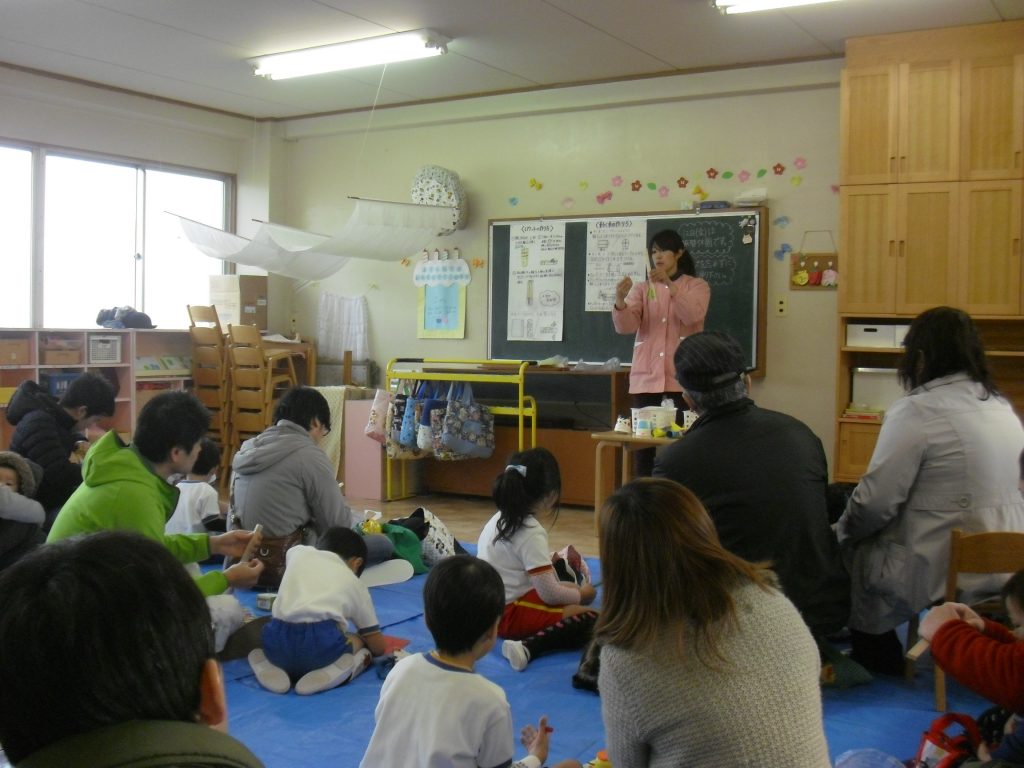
[
  {"x": 625, "y": 442},
  {"x": 303, "y": 349}
]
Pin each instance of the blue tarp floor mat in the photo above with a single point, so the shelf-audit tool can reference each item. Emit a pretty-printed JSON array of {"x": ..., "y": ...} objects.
[{"x": 334, "y": 727}]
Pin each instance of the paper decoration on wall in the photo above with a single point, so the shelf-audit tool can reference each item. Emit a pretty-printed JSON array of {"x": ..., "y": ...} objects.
[
  {"x": 682, "y": 181},
  {"x": 778, "y": 169},
  {"x": 711, "y": 173},
  {"x": 616, "y": 181},
  {"x": 538, "y": 185},
  {"x": 813, "y": 270},
  {"x": 568, "y": 202},
  {"x": 780, "y": 253},
  {"x": 442, "y": 285},
  {"x": 434, "y": 185},
  {"x": 604, "y": 197},
  {"x": 513, "y": 201},
  {"x": 799, "y": 163},
  {"x": 796, "y": 181},
  {"x": 663, "y": 191},
  {"x": 636, "y": 185},
  {"x": 376, "y": 229},
  {"x": 743, "y": 176},
  {"x": 584, "y": 184},
  {"x": 781, "y": 222},
  {"x": 442, "y": 269}
]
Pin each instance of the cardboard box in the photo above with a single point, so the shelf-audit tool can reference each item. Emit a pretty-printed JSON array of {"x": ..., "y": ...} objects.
[
  {"x": 240, "y": 299},
  {"x": 14, "y": 352},
  {"x": 62, "y": 357}
]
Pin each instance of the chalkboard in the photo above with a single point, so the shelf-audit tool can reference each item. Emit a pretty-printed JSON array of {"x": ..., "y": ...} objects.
[{"x": 729, "y": 247}]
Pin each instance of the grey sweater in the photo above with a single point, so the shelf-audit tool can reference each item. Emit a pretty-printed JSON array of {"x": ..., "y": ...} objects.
[
  {"x": 283, "y": 480},
  {"x": 762, "y": 706}
]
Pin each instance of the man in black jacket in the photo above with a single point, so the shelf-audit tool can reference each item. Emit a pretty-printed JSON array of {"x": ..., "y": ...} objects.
[
  {"x": 47, "y": 430},
  {"x": 762, "y": 476}
]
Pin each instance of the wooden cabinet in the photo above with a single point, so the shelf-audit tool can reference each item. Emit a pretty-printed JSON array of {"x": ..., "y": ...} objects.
[
  {"x": 931, "y": 212},
  {"x": 55, "y": 357},
  {"x": 989, "y": 281},
  {"x": 992, "y": 102},
  {"x": 898, "y": 244},
  {"x": 900, "y": 122}
]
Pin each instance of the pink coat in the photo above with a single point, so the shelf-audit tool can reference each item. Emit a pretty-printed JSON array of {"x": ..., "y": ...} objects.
[{"x": 660, "y": 324}]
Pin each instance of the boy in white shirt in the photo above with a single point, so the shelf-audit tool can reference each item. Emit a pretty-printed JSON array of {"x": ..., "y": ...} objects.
[
  {"x": 307, "y": 639},
  {"x": 199, "y": 505},
  {"x": 434, "y": 710}
]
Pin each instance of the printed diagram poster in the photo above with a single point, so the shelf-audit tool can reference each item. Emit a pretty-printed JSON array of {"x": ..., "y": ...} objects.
[
  {"x": 536, "y": 281},
  {"x": 615, "y": 248}
]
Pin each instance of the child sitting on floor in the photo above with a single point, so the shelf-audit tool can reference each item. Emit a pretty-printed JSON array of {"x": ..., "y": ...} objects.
[
  {"x": 21, "y": 517},
  {"x": 307, "y": 638},
  {"x": 986, "y": 657},
  {"x": 434, "y": 710},
  {"x": 542, "y": 614}
]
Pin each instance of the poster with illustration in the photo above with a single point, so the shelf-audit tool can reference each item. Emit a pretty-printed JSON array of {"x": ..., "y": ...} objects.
[
  {"x": 536, "y": 281},
  {"x": 442, "y": 285},
  {"x": 615, "y": 248}
]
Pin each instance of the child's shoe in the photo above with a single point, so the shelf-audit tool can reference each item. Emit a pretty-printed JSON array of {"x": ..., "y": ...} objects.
[
  {"x": 270, "y": 677},
  {"x": 516, "y": 653},
  {"x": 623, "y": 425},
  {"x": 363, "y": 661},
  {"x": 325, "y": 678}
]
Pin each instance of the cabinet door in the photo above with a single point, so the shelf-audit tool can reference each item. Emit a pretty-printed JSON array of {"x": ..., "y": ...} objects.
[
  {"x": 929, "y": 121},
  {"x": 926, "y": 246},
  {"x": 867, "y": 232},
  {"x": 990, "y": 256},
  {"x": 856, "y": 443},
  {"x": 869, "y": 125},
  {"x": 992, "y": 104}
]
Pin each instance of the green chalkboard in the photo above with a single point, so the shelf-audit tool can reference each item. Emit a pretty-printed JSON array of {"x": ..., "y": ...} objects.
[{"x": 729, "y": 247}]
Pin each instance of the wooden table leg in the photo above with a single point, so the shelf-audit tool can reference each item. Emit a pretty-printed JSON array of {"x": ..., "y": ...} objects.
[{"x": 600, "y": 492}]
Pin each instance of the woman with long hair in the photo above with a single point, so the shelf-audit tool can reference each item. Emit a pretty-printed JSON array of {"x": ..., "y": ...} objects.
[
  {"x": 946, "y": 457},
  {"x": 661, "y": 311},
  {"x": 704, "y": 662}
]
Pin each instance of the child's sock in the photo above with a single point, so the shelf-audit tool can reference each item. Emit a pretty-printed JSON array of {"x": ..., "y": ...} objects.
[
  {"x": 269, "y": 676},
  {"x": 516, "y": 653},
  {"x": 568, "y": 633},
  {"x": 325, "y": 678}
]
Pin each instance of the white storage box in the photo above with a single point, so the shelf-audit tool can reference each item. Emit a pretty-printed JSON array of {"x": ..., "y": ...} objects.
[
  {"x": 104, "y": 349},
  {"x": 899, "y": 332},
  {"x": 863, "y": 335},
  {"x": 875, "y": 388}
]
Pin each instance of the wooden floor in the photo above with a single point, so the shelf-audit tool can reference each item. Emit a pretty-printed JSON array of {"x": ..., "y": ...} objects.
[{"x": 465, "y": 516}]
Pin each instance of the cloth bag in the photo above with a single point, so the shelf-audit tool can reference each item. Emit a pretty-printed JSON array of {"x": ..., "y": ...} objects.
[
  {"x": 437, "y": 402},
  {"x": 400, "y": 404},
  {"x": 468, "y": 427},
  {"x": 377, "y": 422},
  {"x": 436, "y": 541}
]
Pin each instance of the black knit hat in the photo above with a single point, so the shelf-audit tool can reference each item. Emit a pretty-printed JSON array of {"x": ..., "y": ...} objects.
[
  {"x": 709, "y": 360},
  {"x": 26, "y": 478}
]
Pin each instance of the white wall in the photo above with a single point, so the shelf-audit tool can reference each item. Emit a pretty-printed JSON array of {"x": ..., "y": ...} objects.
[{"x": 653, "y": 131}]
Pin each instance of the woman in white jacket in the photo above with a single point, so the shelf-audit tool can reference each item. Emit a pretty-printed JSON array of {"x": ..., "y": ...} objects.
[{"x": 947, "y": 457}]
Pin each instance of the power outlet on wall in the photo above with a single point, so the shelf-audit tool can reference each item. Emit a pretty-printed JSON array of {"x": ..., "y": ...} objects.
[{"x": 781, "y": 306}]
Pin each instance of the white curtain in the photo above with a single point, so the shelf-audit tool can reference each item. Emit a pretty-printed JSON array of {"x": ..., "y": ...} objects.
[{"x": 342, "y": 325}]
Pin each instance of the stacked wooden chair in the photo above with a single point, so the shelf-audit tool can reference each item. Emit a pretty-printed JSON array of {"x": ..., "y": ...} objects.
[
  {"x": 258, "y": 379},
  {"x": 210, "y": 379}
]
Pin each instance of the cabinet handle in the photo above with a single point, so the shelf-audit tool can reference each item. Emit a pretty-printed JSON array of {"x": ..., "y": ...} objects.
[
  {"x": 892, "y": 163},
  {"x": 1016, "y": 159},
  {"x": 892, "y": 248},
  {"x": 903, "y": 163},
  {"x": 903, "y": 247}
]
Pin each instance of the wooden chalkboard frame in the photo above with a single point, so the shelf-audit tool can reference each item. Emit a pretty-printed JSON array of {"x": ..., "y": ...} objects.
[{"x": 598, "y": 325}]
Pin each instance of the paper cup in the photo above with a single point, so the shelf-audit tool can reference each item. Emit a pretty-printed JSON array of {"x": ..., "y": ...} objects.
[
  {"x": 643, "y": 428},
  {"x": 265, "y": 600}
]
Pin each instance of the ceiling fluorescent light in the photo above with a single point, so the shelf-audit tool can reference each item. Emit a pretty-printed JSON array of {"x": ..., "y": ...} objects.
[
  {"x": 749, "y": 6},
  {"x": 401, "y": 46}
]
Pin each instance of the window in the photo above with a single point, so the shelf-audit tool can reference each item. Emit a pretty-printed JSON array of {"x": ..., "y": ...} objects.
[
  {"x": 108, "y": 238},
  {"x": 16, "y": 224}
]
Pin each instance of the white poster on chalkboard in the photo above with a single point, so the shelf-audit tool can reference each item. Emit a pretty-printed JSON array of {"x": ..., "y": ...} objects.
[
  {"x": 615, "y": 248},
  {"x": 536, "y": 281}
]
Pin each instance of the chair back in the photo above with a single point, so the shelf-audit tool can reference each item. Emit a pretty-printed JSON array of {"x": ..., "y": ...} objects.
[
  {"x": 992, "y": 552},
  {"x": 205, "y": 316}
]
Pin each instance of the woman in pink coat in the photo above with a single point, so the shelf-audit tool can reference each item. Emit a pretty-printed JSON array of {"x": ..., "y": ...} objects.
[{"x": 663, "y": 310}]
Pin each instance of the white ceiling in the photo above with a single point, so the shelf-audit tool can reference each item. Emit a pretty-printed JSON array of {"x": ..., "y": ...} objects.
[{"x": 195, "y": 51}]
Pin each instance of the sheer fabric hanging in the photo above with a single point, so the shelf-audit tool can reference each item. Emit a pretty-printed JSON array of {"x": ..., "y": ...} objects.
[{"x": 342, "y": 325}]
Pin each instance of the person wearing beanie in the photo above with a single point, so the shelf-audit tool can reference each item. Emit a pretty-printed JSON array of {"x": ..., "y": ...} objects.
[
  {"x": 21, "y": 517},
  {"x": 762, "y": 475},
  {"x": 664, "y": 309}
]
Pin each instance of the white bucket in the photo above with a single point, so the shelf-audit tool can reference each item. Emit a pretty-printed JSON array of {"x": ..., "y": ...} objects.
[{"x": 657, "y": 416}]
